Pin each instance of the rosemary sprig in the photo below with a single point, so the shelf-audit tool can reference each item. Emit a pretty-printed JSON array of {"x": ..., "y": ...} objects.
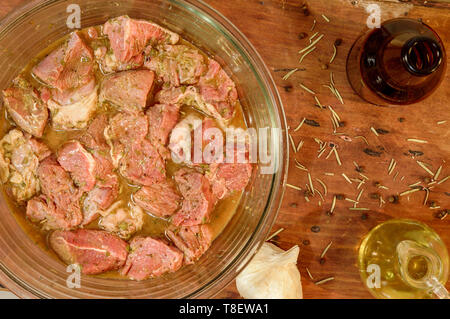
[{"x": 287, "y": 75}]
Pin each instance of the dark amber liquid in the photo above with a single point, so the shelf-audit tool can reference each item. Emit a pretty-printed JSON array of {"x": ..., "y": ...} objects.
[{"x": 402, "y": 62}]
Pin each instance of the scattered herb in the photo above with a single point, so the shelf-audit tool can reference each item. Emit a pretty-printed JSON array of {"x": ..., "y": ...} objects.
[
  {"x": 409, "y": 192},
  {"x": 294, "y": 187},
  {"x": 275, "y": 234},
  {"x": 289, "y": 74},
  {"x": 323, "y": 281},
  {"x": 309, "y": 274},
  {"x": 374, "y": 131},
  {"x": 306, "y": 54},
  {"x": 346, "y": 178},
  {"x": 415, "y": 140},
  {"x": 311, "y": 45},
  {"x": 421, "y": 164},
  {"x": 300, "y": 125},
  {"x": 325, "y": 18},
  {"x": 334, "y": 54},
  {"x": 307, "y": 89},
  {"x": 314, "y": 25},
  {"x": 438, "y": 172},
  {"x": 292, "y": 143}
]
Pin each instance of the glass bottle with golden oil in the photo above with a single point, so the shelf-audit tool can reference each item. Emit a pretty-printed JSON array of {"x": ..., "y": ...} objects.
[{"x": 404, "y": 259}]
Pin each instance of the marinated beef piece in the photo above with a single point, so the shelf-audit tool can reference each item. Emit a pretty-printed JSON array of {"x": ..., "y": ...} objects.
[
  {"x": 228, "y": 177},
  {"x": 43, "y": 210},
  {"x": 123, "y": 130},
  {"x": 94, "y": 138},
  {"x": 69, "y": 71},
  {"x": 109, "y": 64},
  {"x": 128, "y": 90},
  {"x": 162, "y": 119},
  {"x": 95, "y": 251},
  {"x": 129, "y": 37},
  {"x": 100, "y": 198},
  {"x": 25, "y": 107},
  {"x": 198, "y": 200},
  {"x": 105, "y": 191},
  {"x": 69, "y": 67},
  {"x": 79, "y": 111},
  {"x": 191, "y": 96},
  {"x": 79, "y": 163},
  {"x": 160, "y": 200},
  {"x": 217, "y": 89},
  {"x": 151, "y": 258},
  {"x": 193, "y": 241},
  {"x": 39, "y": 149},
  {"x": 57, "y": 185},
  {"x": 122, "y": 219},
  {"x": 142, "y": 164},
  {"x": 19, "y": 160},
  {"x": 127, "y": 128},
  {"x": 176, "y": 64}
]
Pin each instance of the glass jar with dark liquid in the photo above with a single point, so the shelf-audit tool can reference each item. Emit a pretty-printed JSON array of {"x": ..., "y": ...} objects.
[{"x": 402, "y": 62}]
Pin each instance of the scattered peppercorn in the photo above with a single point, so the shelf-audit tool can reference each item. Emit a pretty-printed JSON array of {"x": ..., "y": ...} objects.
[
  {"x": 302, "y": 35},
  {"x": 322, "y": 261},
  {"x": 312, "y": 123},
  {"x": 340, "y": 197},
  {"x": 401, "y": 119},
  {"x": 364, "y": 216},
  {"x": 306, "y": 242},
  {"x": 315, "y": 229},
  {"x": 288, "y": 88},
  {"x": 415, "y": 153},
  {"x": 360, "y": 169},
  {"x": 432, "y": 204},
  {"x": 370, "y": 152},
  {"x": 382, "y": 131},
  {"x": 442, "y": 214},
  {"x": 338, "y": 42},
  {"x": 393, "y": 199},
  {"x": 324, "y": 66},
  {"x": 329, "y": 213}
]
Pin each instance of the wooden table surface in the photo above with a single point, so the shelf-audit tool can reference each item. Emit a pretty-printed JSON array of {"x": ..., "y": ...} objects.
[{"x": 273, "y": 26}]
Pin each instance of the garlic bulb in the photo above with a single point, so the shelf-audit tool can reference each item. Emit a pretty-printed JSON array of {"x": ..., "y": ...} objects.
[{"x": 272, "y": 274}]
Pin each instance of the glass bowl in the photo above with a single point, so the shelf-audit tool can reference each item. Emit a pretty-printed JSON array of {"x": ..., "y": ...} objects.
[{"x": 30, "y": 272}]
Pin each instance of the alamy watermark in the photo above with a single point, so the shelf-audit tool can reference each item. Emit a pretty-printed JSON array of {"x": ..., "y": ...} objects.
[
  {"x": 193, "y": 143},
  {"x": 74, "y": 279},
  {"x": 374, "y": 278},
  {"x": 74, "y": 19}
]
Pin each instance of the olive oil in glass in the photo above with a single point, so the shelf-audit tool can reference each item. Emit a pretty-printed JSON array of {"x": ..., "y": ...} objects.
[
  {"x": 404, "y": 259},
  {"x": 400, "y": 63}
]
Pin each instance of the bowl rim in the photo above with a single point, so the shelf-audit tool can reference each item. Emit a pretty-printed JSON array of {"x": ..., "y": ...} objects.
[{"x": 278, "y": 185}]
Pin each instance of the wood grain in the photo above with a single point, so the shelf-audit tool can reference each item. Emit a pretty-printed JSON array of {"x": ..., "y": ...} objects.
[{"x": 273, "y": 27}]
